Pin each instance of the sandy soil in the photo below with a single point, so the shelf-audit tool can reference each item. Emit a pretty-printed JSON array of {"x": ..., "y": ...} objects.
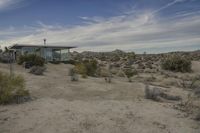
[{"x": 90, "y": 106}]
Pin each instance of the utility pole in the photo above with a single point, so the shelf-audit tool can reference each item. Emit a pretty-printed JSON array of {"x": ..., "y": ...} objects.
[{"x": 45, "y": 49}]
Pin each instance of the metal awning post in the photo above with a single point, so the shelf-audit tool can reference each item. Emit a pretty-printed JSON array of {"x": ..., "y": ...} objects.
[{"x": 11, "y": 63}]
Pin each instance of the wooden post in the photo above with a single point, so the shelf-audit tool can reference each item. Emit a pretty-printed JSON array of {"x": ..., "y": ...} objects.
[
  {"x": 109, "y": 72},
  {"x": 11, "y": 63},
  {"x": 68, "y": 54},
  {"x": 60, "y": 55}
]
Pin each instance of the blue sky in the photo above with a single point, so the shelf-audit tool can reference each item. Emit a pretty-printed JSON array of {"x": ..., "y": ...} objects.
[{"x": 153, "y": 26}]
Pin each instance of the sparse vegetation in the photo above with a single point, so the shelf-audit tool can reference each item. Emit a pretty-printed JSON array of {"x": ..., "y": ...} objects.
[
  {"x": 115, "y": 58},
  {"x": 157, "y": 94},
  {"x": 129, "y": 72},
  {"x": 37, "y": 70},
  {"x": 80, "y": 68},
  {"x": 176, "y": 63},
  {"x": 152, "y": 93},
  {"x": 87, "y": 68},
  {"x": 108, "y": 78},
  {"x": 151, "y": 78},
  {"x": 194, "y": 81},
  {"x": 197, "y": 92},
  {"x": 131, "y": 57},
  {"x": 12, "y": 89},
  {"x": 64, "y": 82},
  {"x": 198, "y": 116},
  {"x": 72, "y": 73},
  {"x": 33, "y": 59}
]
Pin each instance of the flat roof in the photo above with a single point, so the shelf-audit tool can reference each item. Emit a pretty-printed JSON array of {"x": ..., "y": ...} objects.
[{"x": 18, "y": 46}]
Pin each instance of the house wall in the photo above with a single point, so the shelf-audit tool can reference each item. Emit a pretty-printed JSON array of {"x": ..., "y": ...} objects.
[{"x": 49, "y": 54}]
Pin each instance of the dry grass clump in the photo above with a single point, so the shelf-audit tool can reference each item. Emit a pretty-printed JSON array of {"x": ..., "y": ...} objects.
[
  {"x": 73, "y": 74},
  {"x": 195, "y": 82},
  {"x": 37, "y": 70},
  {"x": 190, "y": 82},
  {"x": 120, "y": 73},
  {"x": 176, "y": 63},
  {"x": 104, "y": 72},
  {"x": 12, "y": 89},
  {"x": 157, "y": 94},
  {"x": 152, "y": 93},
  {"x": 151, "y": 78},
  {"x": 190, "y": 106},
  {"x": 197, "y": 92}
]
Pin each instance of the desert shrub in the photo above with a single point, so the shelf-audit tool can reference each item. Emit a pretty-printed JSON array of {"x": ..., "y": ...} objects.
[
  {"x": 197, "y": 92},
  {"x": 34, "y": 59},
  {"x": 21, "y": 60},
  {"x": 81, "y": 69},
  {"x": 157, "y": 94},
  {"x": 103, "y": 72},
  {"x": 12, "y": 89},
  {"x": 170, "y": 82},
  {"x": 152, "y": 93},
  {"x": 91, "y": 67},
  {"x": 197, "y": 116},
  {"x": 5, "y": 57},
  {"x": 131, "y": 57},
  {"x": 37, "y": 70},
  {"x": 195, "y": 82},
  {"x": 115, "y": 58},
  {"x": 129, "y": 72},
  {"x": 121, "y": 73},
  {"x": 150, "y": 78},
  {"x": 114, "y": 71},
  {"x": 72, "y": 73},
  {"x": 176, "y": 63},
  {"x": 87, "y": 67},
  {"x": 141, "y": 66}
]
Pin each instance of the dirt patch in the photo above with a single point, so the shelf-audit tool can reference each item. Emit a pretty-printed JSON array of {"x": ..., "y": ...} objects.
[{"x": 90, "y": 106}]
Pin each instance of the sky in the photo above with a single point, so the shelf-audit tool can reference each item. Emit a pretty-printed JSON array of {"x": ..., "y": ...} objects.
[{"x": 152, "y": 26}]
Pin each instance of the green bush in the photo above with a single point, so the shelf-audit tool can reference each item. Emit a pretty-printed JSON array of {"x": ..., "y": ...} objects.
[
  {"x": 34, "y": 59},
  {"x": 12, "y": 89},
  {"x": 86, "y": 68},
  {"x": 129, "y": 72},
  {"x": 81, "y": 69},
  {"x": 176, "y": 63},
  {"x": 91, "y": 67},
  {"x": 131, "y": 56},
  {"x": 115, "y": 58}
]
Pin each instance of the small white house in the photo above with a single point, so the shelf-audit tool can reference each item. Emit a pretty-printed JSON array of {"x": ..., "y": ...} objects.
[{"x": 49, "y": 53}]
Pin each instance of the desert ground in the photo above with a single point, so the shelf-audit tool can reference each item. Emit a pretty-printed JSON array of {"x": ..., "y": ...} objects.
[{"x": 91, "y": 105}]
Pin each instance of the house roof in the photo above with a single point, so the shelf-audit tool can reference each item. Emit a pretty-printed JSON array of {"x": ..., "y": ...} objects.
[{"x": 18, "y": 46}]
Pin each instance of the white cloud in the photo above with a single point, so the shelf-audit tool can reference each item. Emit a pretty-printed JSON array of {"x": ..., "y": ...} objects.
[
  {"x": 169, "y": 5},
  {"x": 126, "y": 32},
  {"x": 10, "y": 4}
]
